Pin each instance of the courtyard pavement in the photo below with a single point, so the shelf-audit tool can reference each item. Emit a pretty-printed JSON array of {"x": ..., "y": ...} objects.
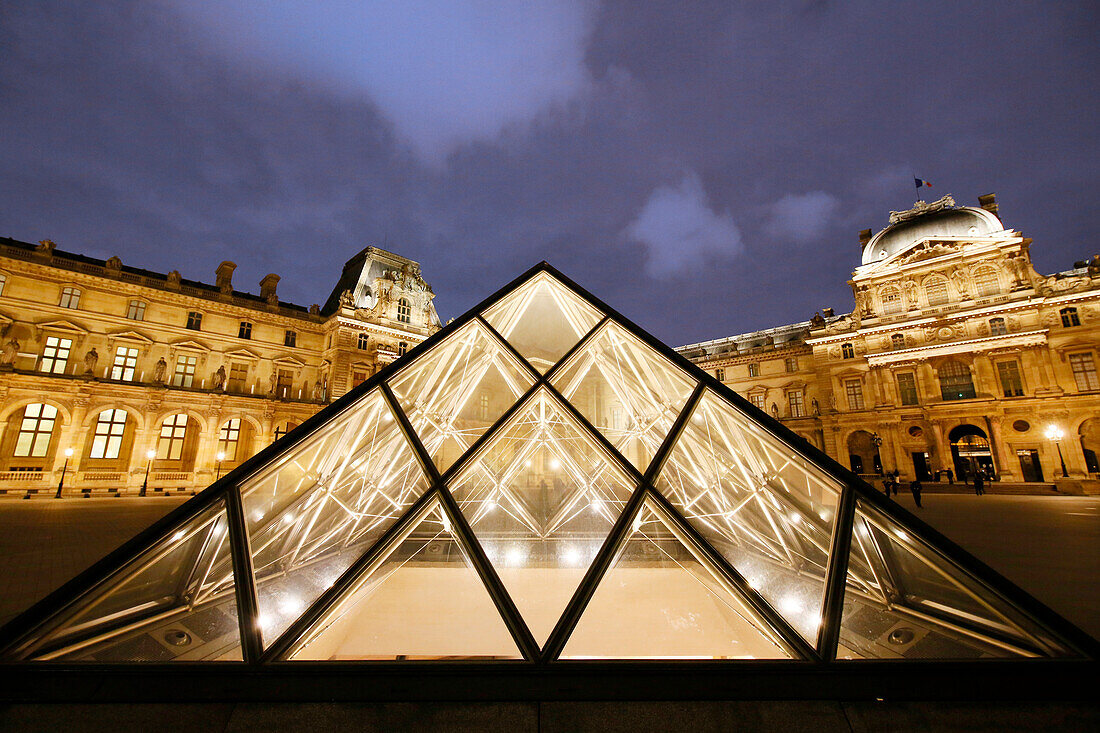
[{"x": 1050, "y": 546}]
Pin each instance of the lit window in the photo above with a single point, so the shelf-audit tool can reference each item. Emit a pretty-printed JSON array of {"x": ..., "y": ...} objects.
[
  {"x": 3, "y": 282},
  {"x": 363, "y": 341},
  {"x": 955, "y": 381},
  {"x": 35, "y": 431},
  {"x": 285, "y": 383},
  {"x": 238, "y": 377},
  {"x": 997, "y": 327},
  {"x": 483, "y": 406},
  {"x": 55, "y": 355},
  {"x": 1011, "y": 383},
  {"x": 936, "y": 291},
  {"x": 109, "y": 429},
  {"x": 907, "y": 388},
  {"x": 125, "y": 364},
  {"x": 194, "y": 321},
  {"x": 986, "y": 282},
  {"x": 854, "y": 389},
  {"x": 757, "y": 399},
  {"x": 794, "y": 401},
  {"x": 228, "y": 438},
  {"x": 402, "y": 347},
  {"x": 290, "y": 338},
  {"x": 892, "y": 304},
  {"x": 754, "y": 370},
  {"x": 897, "y": 341},
  {"x": 1069, "y": 317},
  {"x": 245, "y": 330},
  {"x": 172, "y": 433},
  {"x": 70, "y": 298},
  {"x": 1084, "y": 372},
  {"x": 284, "y": 428},
  {"x": 357, "y": 378},
  {"x": 136, "y": 311},
  {"x": 847, "y": 351},
  {"x": 404, "y": 312},
  {"x": 720, "y": 375},
  {"x": 791, "y": 363},
  {"x": 184, "y": 375}
]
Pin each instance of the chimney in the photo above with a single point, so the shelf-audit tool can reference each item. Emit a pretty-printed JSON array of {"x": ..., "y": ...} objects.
[
  {"x": 224, "y": 279},
  {"x": 864, "y": 238},
  {"x": 268, "y": 286},
  {"x": 989, "y": 203}
]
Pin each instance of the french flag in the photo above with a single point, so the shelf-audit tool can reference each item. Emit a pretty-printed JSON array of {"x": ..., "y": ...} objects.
[{"x": 921, "y": 182}]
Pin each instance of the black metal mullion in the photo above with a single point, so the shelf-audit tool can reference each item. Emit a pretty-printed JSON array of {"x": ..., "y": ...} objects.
[
  {"x": 836, "y": 575},
  {"x": 475, "y": 447},
  {"x": 757, "y": 602},
  {"x": 504, "y": 343},
  {"x": 244, "y": 579},
  {"x": 585, "y": 340},
  {"x": 611, "y": 451},
  {"x": 321, "y": 606},
  {"x": 662, "y": 454}
]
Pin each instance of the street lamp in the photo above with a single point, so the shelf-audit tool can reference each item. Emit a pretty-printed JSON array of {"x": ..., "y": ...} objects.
[
  {"x": 220, "y": 457},
  {"x": 61, "y": 483},
  {"x": 149, "y": 455},
  {"x": 1055, "y": 433}
]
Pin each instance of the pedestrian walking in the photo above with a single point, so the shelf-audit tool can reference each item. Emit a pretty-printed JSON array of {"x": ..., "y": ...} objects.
[
  {"x": 896, "y": 481},
  {"x": 915, "y": 487},
  {"x": 979, "y": 483},
  {"x": 950, "y": 476}
]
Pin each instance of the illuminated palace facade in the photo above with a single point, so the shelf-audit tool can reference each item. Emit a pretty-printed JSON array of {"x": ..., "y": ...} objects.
[
  {"x": 957, "y": 356},
  {"x": 123, "y": 380}
]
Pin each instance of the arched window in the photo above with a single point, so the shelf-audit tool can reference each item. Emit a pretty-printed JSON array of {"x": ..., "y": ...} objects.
[
  {"x": 109, "y": 429},
  {"x": 70, "y": 298},
  {"x": 284, "y": 428},
  {"x": 1069, "y": 317},
  {"x": 997, "y": 327},
  {"x": 897, "y": 341},
  {"x": 847, "y": 352},
  {"x": 892, "y": 303},
  {"x": 229, "y": 437},
  {"x": 404, "y": 312},
  {"x": 173, "y": 431},
  {"x": 986, "y": 281},
  {"x": 35, "y": 431},
  {"x": 935, "y": 290},
  {"x": 955, "y": 381}
]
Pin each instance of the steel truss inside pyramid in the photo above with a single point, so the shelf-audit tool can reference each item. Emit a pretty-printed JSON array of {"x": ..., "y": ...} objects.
[{"x": 539, "y": 481}]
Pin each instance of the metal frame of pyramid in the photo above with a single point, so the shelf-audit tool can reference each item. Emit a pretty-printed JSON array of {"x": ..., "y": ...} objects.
[{"x": 790, "y": 546}]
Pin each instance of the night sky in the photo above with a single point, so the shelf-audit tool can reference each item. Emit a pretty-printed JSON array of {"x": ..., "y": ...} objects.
[{"x": 703, "y": 169}]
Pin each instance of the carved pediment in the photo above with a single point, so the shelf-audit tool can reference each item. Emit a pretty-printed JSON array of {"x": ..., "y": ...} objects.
[
  {"x": 242, "y": 354},
  {"x": 66, "y": 328},
  {"x": 130, "y": 336},
  {"x": 189, "y": 345},
  {"x": 289, "y": 361}
]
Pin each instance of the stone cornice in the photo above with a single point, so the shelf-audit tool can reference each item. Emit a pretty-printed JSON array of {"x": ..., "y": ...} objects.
[{"x": 966, "y": 346}]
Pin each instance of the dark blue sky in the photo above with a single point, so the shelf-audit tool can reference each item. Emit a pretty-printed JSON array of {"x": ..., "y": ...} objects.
[{"x": 704, "y": 169}]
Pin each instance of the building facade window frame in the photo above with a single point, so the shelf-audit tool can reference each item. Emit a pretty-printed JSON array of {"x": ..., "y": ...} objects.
[
  {"x": 986, "y": 280},
  {"x": 956, "y": 380},
  {"x": 363, "y": 341},
  {"x": 754, "y": 369},
  {"x": 244, "y": 330},
  {"x": 136, "y": 310},
  {"x": 290, "y": 338},
  {"x": 1010, "y": 377},
  {"x": 404, "y": 310},
  {"x": 907, "y": 388},
  {"x": 720, "y": 374},
  {"x": 1069, "y": 317},
  {"x": 758, "y": 399},
  {"x": 3, "y": 283},
  {"x": 1083, "y": 366},
  {"x": 110, "y": 427},
  {"x": 35, "y": 431},
  {"x": 70, "y": 297},
  {"x": 937, "y": 291},
  {"x": 402, "y": 348},
  {"x": 194, "y": 320},
  {"x": 796, "y": 405},
  {"x": 847, "y": 351},
  {"x": 238, "y": 377},
  {"x": 184, "y": 373},
  {"x": 892, "y": 301},
  {"x": 897, "y": 341},
  {"x": 790, "y": 364},
  {"x": 172, "y": 435},
  {"x": 55, "y": 355},
  {"x": 853, "y": 389},
  {"x": 997, "y": 326},
  {"x": 229, "y": 438},
  {"x": 124, "y": 366}
]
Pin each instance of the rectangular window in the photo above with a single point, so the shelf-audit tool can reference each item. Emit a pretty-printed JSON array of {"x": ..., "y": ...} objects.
[
  {"x": 228, "y": 438},
  {"x": 1084, "y": 372},
  {"x": 285, "y": 383},
  {"x": 483, "y": 406},
  {"x": 794, "y": 401},
  {"x": 55, "y": 356},
  {"x": 754, "y": 370},
  {"x": 757, "y": 399},
  {"x": 3, "y": 282},
  {"x": 172, "y": 433},
  {"x": 245, "y": 330},
  {"x": 358, "y": 378},
  {"x": 35, "y": 431},
  {"x": 125, "y": 364},
  {"x": 720, "y": 375},
  {"x": 791, "y": 364},
  {"x": 194, "y": 321},
  {"x": 854, "y": 389},
  {"x": 1009, "y": 373},
  {"x": 136, "y": 311},
  {"x": 907, "y": 388},
  {"x": 402, "y": 347},
  {"x": 185, "y": 371},
  {"x": 290, "y": 338},
  {"x": 238, "y": 377},
  {"x": 70, "y": 298},
  {"x": 997, "y": 327},
  {"x": 109, "y": 430},
  {"x": 363, "y": 340},
  {"x": 1069, "y": 317}
]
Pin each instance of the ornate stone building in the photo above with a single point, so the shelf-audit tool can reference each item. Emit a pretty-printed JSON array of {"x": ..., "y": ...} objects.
[
  {"x": 958, "y": 356},
  {"x": 120, "y": 378}
]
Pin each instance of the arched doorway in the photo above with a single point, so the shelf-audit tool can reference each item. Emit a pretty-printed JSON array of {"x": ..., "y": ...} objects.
[
  {"x": 1089, "y": 433},
  {"x": 970, "y": 451},
  {"x": 863, "y": 452}
]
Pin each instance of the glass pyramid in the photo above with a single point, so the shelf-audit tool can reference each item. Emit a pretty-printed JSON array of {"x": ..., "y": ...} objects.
[{"x": 539, "y": 481}]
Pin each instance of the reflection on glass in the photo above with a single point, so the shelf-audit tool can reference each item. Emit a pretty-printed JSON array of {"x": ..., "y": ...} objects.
[
  {"x": 542, "y": 320},
  {"x": 311, "y": 515},
  {"x": 765, "y": 508},
  {"x": 659, "y": 601},
  {"x": 628, "y": 391},
  {"x": 421, "y": 600},
  {"x": 541, "y": 498},
  {"x": 453, "y": 393},
  {"x": 174, "y": 602},
  {"x": 905, "y": 601}
]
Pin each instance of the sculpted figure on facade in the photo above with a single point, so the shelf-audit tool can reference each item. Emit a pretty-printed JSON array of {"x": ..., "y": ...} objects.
[
  {"x": 318, "y": 390},
  {"x": 219, "y": 379},
  {"x": 273, "y": 382},
  {"x": 961, "y": 282},
  {"x": 11, "y": 350},
  {"x": 159, "y": 371},
  {"x": 347, "y": 300},
  {"x": 90, "y": 360}
]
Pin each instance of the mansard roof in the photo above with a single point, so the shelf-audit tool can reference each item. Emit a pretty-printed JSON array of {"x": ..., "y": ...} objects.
[{"x": 942, "y": 219}]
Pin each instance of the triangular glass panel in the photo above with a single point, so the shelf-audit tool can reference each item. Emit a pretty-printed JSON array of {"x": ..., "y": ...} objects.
[
  {"x": 541, "y": 498},
  {"x": 659, "y": 601},
  {"x": 421, "y": 599},
  {"x": 454, "y": 392},
  {"x": 311, "y": 514},
  {"x": 626, "y": 389},
  {"x": 542, "y": 319},
  {"x": 904, "y": 600},
  {"x": 174, "y": 602},
  {"x": 764, "y": 507}
]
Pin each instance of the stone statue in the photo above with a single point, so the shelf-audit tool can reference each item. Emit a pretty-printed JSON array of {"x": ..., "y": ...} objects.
[
  {"x": 272, "y": 382},
  {"x": 159, "y": 371},
  {"x": 11, "y": 350},
  {"x": 317, "y": 388},
  {"x": 347, "y": 300},
  {"x": 816, "y": 408},
  {"x": 90, "y": 361},
  {"x": 775, "y": 411},
  {"x": 219, "y": 379}
]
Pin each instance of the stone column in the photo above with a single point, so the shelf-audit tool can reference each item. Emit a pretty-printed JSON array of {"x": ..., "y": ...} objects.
[
  {"x": 901, "y": 459},
  {"x": 880, "y": 388},
  {"x": 144, "y": 441},
  {"x": 986, "y": 382},
  {"x": 931, "y": 391},
  {"x": 1007, "y": 468},
  {"x": 941, "y": 452}
]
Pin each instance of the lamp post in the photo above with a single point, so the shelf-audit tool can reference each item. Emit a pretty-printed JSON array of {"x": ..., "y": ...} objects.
[
  {"x": 149, "y": 456},
  {"x": 61, "y": 483},
  {"x": 1055, "y": 433},
  {"x": 220, "y": 457}
]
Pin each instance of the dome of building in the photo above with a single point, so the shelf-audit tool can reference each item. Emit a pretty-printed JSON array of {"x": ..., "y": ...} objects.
[{"x": 961, "y": 222}]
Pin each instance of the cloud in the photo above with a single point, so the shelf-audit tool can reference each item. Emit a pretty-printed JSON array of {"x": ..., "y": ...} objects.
[
  {"x": 802, "y": 217},
  {"x": 680, "y": 230},
  {"x": 444, "y": 73}
]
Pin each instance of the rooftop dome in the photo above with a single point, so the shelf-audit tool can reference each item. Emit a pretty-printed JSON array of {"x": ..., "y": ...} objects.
[{"x": 964, "y": 221}]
